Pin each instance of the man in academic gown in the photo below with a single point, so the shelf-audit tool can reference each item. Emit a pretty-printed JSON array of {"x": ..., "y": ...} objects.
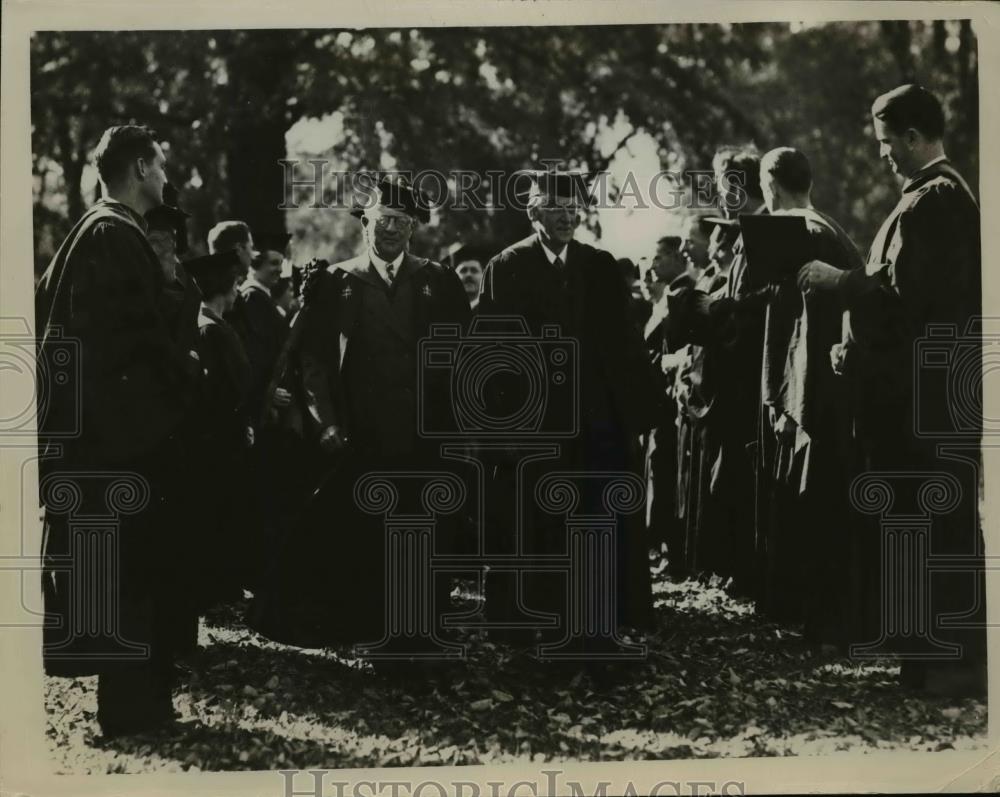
[
  {"x": 168, "y": 236},
  {"x": 550, "y": 278},
  {"x": 805, "y": 428},
  {"x": 262, "y": 329},
  {"x": 256, "y": 316},
  {"x": 105, "y": 288},
  {"x": 224, "y": 432},
  {"x": 708, "y": 256},
  {"x": 723, "y": 320},
  {"x": 358, "y": 359},
  {"x": 923, "y": 269},
  {"x": 661, "y": 441}
]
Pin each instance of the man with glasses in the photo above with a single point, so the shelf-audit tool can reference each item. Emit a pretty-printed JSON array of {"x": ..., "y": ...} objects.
[{"x": 359, "y": 366}]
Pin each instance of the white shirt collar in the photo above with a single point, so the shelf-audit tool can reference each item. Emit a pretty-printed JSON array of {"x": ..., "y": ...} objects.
[
  {"x": 380, "y": 264},
  {"x": 550, "y": 255},
  {"x": 657, "y": 313}
]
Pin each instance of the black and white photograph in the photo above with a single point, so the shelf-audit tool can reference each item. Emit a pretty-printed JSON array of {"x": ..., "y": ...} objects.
[{"x": 513, "y": 392}]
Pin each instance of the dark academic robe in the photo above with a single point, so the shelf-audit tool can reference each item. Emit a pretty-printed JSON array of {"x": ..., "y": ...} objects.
[
  {"x": 690, "y": 327},
  {"x": 182, "y": 302},
  {"x": 104, "y": 291},
  {"x": 221, "y": 470},
  {"x": 802, "y": 550},
  {"x": 738, "y": 324},
  {"x": 923, "y": 270},
  {"x": 589, "y": 302},
  {"x": 663, "y": 458},
  {"x": 660, "y": 443},
  {"x": 727, "y": 321},
  {"x": 262, "y": 328},
  {"x": 359, "y": 360}
]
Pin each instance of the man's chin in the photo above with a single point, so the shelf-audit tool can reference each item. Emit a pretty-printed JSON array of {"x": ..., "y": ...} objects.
[{"x": 388, "y": 253}]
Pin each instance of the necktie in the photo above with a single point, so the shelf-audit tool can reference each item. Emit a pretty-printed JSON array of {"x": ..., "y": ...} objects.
[
  {"x": 558, "y": 263},
  {"x": 389, "y": 272}
]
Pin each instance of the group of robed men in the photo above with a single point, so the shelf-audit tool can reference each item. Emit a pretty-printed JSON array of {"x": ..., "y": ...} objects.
[
  {"x": 195, "y": 381},
  {"x": 797, "y": 433}
]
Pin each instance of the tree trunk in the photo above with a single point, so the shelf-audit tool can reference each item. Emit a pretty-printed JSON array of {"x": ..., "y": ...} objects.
[
  {"x": 899, "y": 38},
  {"x": 261, "y": 72},
  {"x": 256, "y": 179}
]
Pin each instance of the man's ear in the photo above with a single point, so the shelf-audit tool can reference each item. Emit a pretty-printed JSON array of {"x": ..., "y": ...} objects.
[
  {"x": 913, "y": 137},
  {"x": 140, "y": 168},
  {"x": 533, "y": 213}
]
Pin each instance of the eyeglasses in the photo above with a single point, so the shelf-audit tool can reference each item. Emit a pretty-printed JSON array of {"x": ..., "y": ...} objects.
[{"x": 382, "y": 222}]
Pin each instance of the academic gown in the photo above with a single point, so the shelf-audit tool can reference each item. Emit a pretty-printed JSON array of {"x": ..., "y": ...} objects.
[
  {"x": 105, "y": 292},
  {"x": 698, "y": 439},
  {"x": 588, "y": 301},
  {"x": 221, "y": 471},
  {"x": 262, "y": 329},
  {"x": 660, "y": 443},
  {"x": 920, "y": 290},
  {"x": 182, "y": 302},
  {"x": 801, "y": 545},
  {"x": 358, "y": 358},
  {"x": 727, "y": 321}
]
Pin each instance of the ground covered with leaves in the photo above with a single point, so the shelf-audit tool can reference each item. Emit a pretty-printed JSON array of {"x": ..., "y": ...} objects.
[{"x": 718, "y": 682}]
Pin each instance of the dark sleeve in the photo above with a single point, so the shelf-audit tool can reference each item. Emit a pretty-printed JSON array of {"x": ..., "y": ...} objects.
[
  {"x": 319, "y": 356},
  {"x": 456, "y": 303},
  {"x": 635, "y": 382},
  {"x": 687, "y": 317},
  {"x": 216, "y": 394},
  {"x": 935, "y": 262},
  {"x": 487, "y": 290},
  {"x": 932, "y": 270},
  {"x": 261, "y": 338}
]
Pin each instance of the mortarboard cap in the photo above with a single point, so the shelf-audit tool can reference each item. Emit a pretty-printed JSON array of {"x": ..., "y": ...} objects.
[
  {"x": 165, "y": 217},
  {"x": 170, "y": 218},
  {"x": 720, "y": 221},
  {"x": 271, "y": 241},
  {"x": 571, "y": 185},
  {"x": 396, "y": 192},
  {"x": 458, "y": 253},
  {"x": 215, "y": 266}
]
